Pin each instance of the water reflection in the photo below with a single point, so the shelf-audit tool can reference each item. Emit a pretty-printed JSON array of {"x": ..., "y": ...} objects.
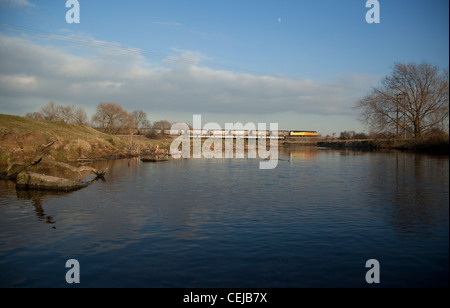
[
  {"x": 309, "y": 153},
  {"x": 38, "y": 198},
  {"x": 415, "y": 189},
  {"x": 225, "y": 222}
]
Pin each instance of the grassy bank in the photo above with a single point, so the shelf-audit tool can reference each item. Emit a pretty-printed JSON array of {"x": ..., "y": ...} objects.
[{"x": 20, "y": 137}]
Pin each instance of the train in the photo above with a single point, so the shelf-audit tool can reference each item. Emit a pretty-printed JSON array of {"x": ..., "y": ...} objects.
[{"x": 302, "y": 133}]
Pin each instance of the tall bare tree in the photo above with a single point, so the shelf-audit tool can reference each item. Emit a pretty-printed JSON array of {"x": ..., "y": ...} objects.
[
  {"x": 112, "y": 118},
  {"x": 411, "y": 101},
  {"x": 140, "y": 119}
]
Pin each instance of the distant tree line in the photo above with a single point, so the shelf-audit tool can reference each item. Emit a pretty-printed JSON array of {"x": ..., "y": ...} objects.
[
  {"x": 110, "y": 118},
  {"x": 347, "y": 135},
  {"x": 66, "y": 114}
]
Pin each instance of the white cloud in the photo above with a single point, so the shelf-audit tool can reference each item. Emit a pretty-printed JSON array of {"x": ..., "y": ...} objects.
[
  {"x": 30, "y": 72},
  {"x": 186, "y": 57},
  {"x": 18, "y": 82}
]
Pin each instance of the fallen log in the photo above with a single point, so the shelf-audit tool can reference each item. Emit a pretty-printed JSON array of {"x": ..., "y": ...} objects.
[
  {"x": 36, "y": 181},
  {"x": 26, "y": 180},
  {"x": 99, "y": 173}
]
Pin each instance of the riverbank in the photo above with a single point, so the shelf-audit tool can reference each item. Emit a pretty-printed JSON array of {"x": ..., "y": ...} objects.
[
  {"x": 21, "y": 137},
  {"x": 437, "y": 146}
]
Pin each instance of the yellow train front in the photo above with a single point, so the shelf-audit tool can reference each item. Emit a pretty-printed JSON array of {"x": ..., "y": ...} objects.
[{"x": 304, "y": 134}]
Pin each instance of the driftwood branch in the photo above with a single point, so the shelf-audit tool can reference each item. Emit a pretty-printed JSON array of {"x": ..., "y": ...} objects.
[
  {"x": 30, "y": 180},
  {"x": 13, "y": 171},
  {"x": 79, "y": 170}
]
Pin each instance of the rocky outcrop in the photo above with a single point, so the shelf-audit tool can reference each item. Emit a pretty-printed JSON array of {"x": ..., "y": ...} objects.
[{"x": 26, "y": 180}]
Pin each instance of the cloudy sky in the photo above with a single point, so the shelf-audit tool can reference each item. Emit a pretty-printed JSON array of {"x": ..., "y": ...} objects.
[{"x": 300, "y": 63}]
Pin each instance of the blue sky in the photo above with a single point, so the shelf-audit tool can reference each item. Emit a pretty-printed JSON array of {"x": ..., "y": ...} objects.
[{"x": 302, "y": 64}]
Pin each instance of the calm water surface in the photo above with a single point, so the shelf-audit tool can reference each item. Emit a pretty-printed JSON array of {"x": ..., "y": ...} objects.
[{"x": 313, "y": 221}]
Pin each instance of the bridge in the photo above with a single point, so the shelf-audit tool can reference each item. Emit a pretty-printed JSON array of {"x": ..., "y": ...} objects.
[{"x": 229, "y": 134}]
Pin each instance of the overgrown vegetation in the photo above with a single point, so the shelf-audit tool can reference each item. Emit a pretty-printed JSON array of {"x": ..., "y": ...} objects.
[
  {"x": 20, "y": 137},
  {"x": 434, "y": 142},
  {"x": 109, "y": 118}
]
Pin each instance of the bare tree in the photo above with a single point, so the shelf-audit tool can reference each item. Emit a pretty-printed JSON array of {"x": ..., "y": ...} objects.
[
  {"x": 34, "y": 115},
  {"x": 52, "y": 112},
  {"x": 162, "y": 125},
  {"x": 66, "y": 114},
  {"x": 140, "y": 119},
  {"x": 346, "y": 135},
  {"x": 112, "y": 118},
  {"x": 80, "y": 117},
  {"x": 410, "y": 102}
]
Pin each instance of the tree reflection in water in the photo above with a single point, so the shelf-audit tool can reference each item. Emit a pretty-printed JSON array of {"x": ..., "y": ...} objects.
[{"x": 37, "y": 197}]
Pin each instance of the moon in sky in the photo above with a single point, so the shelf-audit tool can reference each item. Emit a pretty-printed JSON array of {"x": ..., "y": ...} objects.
[{"x": 279, "y": 19}]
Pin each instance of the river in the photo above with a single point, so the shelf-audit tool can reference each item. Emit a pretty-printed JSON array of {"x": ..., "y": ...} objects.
[{"x": 313, "y": 221}]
